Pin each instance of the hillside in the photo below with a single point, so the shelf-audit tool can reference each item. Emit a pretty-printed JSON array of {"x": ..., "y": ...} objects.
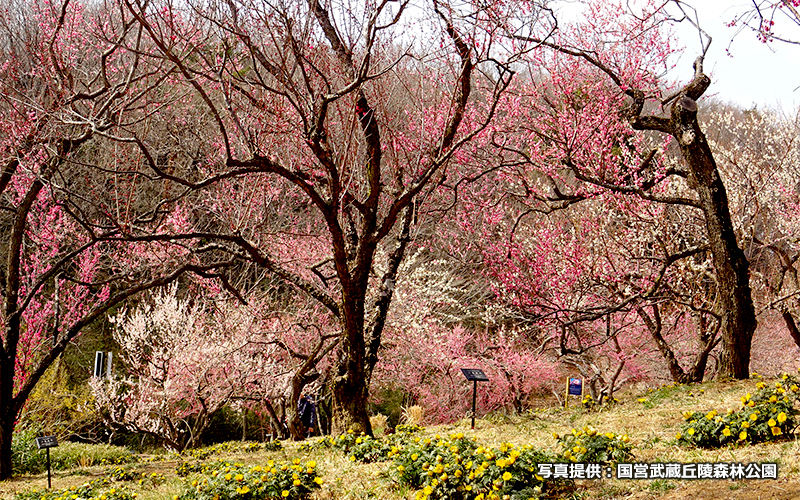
[{"x": 650, "y": 419}]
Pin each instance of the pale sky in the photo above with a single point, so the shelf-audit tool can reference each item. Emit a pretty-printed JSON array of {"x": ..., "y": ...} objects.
[{"x": 753, "y": 73}]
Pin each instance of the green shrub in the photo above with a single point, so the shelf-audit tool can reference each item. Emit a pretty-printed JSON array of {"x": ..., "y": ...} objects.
[
  {"x": 591, "y": 446},
  {"x": 26, "y": 458},
  {"x": 226, "y": 481},
  {"x": 457, "y": 469},
  {"x": 231, "y": 447},
  {"x": 95, "y": 490},
  {"x": 68, "y": 455},
  {"x": 367, "y": 449},
  {"x": 768, "y": 415}
]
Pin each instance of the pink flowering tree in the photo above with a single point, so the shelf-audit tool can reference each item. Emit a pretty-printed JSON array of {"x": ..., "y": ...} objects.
[
  {"x": 597, "y": 128},
  {"x": 443, "y": 320},
  {"x": 771, "y": 20},
  {"x": 83, "y": 214},
  {"x": 351, "y": 123}
]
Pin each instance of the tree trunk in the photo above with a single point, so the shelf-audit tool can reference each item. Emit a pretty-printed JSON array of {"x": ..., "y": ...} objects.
[
  {"x": 696, "y": 373},
  {"x": 735, "y": 303},
  {"x": 350, "y": 389},
  {"x": 350, "y": 398},
  {"x": 7, "y": 421}
]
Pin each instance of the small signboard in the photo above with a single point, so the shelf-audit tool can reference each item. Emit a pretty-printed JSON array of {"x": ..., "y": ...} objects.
[
  {"x": 575, "y": 387},
  {"x": 474, "y": 374},
  {"x": 46, "y": 442}
]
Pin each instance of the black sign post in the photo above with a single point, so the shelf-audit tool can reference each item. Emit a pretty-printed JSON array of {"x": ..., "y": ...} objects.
[
  {"x": 47, "y": 442},
  {"x": 475, "y": 375}
]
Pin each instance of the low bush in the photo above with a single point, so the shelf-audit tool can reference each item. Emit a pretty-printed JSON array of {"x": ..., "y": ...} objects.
[
  {"x": 224, "y": 481},
  {"x": 26, "y": 458},
  {"x": 68, "y": 455},
  {"x": 458, "y": 469},
  {"x": 768, "y": 415},
  {"x": 95, "y": 490},
  {"x": 588, "y": 445}
]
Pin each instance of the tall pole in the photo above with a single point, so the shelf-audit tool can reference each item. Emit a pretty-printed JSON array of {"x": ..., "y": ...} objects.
[
  {"x": 48, "y": 469},
  {"x": 474, "y": 393}
]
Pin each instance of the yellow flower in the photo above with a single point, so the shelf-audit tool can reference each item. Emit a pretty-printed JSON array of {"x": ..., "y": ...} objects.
[
  {"x": 726, "y": 431},
  {"x": 285, "y": 493},
  {"x": 243, "y": 490},
  {"x": 773, "y": 398},
  {"x": 506, "y": 476},
  {"x": 690, "y": 431},
  {"x": 745, "y": 425},
  {"x": 228, "y": 477},
  {"x": 427, "y": 490},
  {"x": 414, "y": 456},
  {"x": 296, "y": 482},
  {"x": 311, "y": 464},
  {"x": 776, "y": 431},
  {"x": 501, "y": 463},
  {"x": 743, "y": 435},
  {"x": 609, "y": 435},
  {"x": 781, "y": 417},
  {"x": 318, "y": 480},
  {"x": 771, "y": 422},
  {"x": 239, "y": 477}
]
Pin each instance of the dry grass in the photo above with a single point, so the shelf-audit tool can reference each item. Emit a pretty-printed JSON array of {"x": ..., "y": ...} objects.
[
  {"x": 413, "y": 415},
  {"x": 651, "y": 424},
  {"x": 378, "y": 422}
]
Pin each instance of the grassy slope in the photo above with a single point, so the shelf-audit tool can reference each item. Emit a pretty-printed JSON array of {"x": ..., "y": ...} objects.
[{"x": 651, "y": 425}]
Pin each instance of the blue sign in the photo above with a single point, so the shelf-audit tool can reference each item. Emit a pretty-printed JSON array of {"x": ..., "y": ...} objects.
[{"x": 575, "y": 387}]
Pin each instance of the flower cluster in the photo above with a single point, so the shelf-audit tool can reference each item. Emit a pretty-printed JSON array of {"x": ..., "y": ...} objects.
[
  {"x": 236, "y": 481},
  {"x": 367, "y": 449},
  {"x": 408, "y": 429},
  {"x": 87, "y": 491},
  {"x": 456, "y": 468},
  {"x": 588, "y": 445},
  {"x": 231, "y": 447},
  {"x": 361, "y": 447},
  {"x": 122, "y": 474},
  {"x": 768, "y": 415},
  {"x": 590, "y": 403}
]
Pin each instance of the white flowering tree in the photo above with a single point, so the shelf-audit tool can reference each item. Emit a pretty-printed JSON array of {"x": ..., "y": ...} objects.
[{"x": 184, "y": 363}]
